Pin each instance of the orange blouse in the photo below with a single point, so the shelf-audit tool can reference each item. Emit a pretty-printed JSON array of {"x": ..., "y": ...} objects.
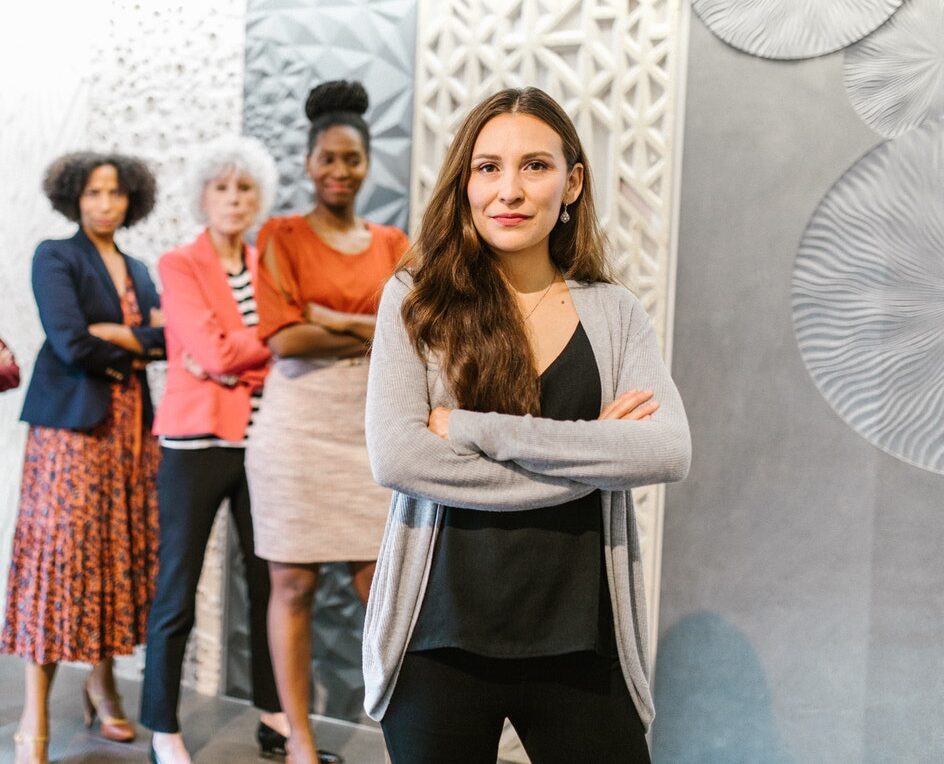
[{"x": 311, "y": 271}]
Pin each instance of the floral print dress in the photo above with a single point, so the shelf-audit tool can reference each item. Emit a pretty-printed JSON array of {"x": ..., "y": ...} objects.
[{"x": 84, "y": 556}]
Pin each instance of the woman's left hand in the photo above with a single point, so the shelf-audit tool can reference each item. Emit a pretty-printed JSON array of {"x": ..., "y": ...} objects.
[
  {"x": 106, "y": 331},
  {"x": 117, "y": 334},
  {"x": 332, "y": 320},
  {"x": 439, "y": 422}
]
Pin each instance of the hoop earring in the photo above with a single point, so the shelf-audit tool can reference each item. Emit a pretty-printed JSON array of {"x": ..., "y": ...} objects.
[{"x": 565, "y": 216}]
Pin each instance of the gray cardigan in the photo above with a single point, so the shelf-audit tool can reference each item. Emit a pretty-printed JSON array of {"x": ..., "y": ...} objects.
[{"x": 499, "y": 462}]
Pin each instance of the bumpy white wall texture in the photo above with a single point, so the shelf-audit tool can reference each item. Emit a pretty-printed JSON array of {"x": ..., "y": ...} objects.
[
  {"x": 617, "y": 67},
  {"x": 144, "y": 77}
]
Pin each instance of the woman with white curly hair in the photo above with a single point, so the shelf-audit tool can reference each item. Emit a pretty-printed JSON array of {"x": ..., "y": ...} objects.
[{"x": 216, "y": 367}]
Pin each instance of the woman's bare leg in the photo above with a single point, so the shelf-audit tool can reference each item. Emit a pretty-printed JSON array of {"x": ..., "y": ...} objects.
[
  {"x": 289, "y": 625},
  {"x": 34, "y": 721},
  {"x": 101, "y": 679},
  {"x": 362, "y": 573}
]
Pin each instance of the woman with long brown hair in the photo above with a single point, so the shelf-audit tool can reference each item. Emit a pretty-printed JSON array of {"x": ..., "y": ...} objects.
[{"x": 516, "y": 395}]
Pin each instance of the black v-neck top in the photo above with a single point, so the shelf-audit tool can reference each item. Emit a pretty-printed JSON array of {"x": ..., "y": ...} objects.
[{"x": 529, "y": 583}]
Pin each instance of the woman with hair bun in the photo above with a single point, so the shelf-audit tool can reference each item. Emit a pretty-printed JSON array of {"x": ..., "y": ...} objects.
[
  {"x": 313, "y": 498},
  {"x": 216, "y": 365},
  {"x": 85, "y": 544}
]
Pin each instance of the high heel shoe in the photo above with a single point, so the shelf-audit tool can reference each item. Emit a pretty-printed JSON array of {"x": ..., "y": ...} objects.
[
  {"x": 116, "y": 728},
  {"x": 272, "y": 745},
  {"x": 36, "y": 748}
]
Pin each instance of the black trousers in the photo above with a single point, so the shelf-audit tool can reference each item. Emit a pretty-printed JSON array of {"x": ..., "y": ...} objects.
[
  {"x": 190, "y": 488},
  {"x": 449, "y": 706}
]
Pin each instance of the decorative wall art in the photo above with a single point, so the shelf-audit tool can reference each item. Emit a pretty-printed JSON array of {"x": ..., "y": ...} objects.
[
  {"x": 789, "y": 29},
  {"x": 868, "y": 297},
  {"x": 895, "y": 77}
]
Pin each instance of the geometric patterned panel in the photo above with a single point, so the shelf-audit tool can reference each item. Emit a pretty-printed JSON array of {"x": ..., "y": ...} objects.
[
  {"x": 165, "y": 79},
  {"x": 616, "y": 68},
  {"x": 895, "y": 76},
  {"x": 868, "y": 297},
  {"x": 292, "y": 46},
  {"x": 791, "y": 29}
]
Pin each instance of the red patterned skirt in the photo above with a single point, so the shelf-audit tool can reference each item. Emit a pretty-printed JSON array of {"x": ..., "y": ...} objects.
[{"x": 84, "y": 557}]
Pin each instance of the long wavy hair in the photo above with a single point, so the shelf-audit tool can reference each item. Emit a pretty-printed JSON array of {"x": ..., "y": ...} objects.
[{"x": 461, "y": 307}]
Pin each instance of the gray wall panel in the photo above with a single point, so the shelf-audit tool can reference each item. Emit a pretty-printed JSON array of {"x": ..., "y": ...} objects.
[
  {"x": 292, "y": 46},
  {"x": 798, "y": 585}
]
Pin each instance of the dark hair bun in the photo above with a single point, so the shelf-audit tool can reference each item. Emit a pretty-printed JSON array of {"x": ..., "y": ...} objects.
[{"x": 335, "y": 96}]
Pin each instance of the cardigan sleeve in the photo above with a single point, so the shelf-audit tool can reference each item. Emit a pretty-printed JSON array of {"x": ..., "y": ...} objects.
[
  {"x": 407, "y": 457},
  {"x": 192, "y": 321},
  {"x": 64, "y": 321},
  {"x": 612, "y": 454}
]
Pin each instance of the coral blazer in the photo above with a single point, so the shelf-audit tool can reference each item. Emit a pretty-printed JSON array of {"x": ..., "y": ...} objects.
[{"x": 202, "y": 319}]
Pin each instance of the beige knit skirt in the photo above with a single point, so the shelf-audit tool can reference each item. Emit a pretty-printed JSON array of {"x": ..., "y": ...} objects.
[{"x": 313, "y": 497}]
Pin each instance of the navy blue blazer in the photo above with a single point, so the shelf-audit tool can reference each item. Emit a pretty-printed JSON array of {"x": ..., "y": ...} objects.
[{"x": 71, "y": 383}]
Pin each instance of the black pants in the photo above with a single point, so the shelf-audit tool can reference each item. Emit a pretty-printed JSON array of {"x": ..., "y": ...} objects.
[
  {"x": 190, "y": 487},
  {"x": 449, "y": 707}
]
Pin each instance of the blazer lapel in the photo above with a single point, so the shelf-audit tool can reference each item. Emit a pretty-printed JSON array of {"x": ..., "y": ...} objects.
[
  {"x": 108, "y": 290},
  {"x": 212, "y": 278}
]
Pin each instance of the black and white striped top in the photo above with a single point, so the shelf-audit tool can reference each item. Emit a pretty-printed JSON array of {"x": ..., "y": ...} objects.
[{"x": 245, "y": 297}]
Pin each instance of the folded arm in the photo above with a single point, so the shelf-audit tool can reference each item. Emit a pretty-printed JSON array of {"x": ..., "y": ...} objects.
[
  {"x": 188, "y": 315},
  {"x": 65, "y": 323},
  {"x": 407, "y": 457},
  {"x": 610, "y": 454}
]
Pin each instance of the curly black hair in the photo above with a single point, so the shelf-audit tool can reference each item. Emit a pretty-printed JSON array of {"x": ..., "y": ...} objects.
[
  {"x": 65, "y": 179},
  {"x": 338, "y": 102}
]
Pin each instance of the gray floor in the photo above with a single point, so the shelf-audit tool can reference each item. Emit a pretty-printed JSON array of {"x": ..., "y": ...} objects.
[{"x": 215, "y": 729}]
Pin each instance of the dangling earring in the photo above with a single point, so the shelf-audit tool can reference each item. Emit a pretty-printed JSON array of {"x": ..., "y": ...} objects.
[{"x": 565, "y": 216}]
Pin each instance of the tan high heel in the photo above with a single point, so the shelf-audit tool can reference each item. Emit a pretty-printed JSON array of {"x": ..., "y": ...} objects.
[
  {"x": 116, "y": 728},
  {"x": 31, "y": 749}
]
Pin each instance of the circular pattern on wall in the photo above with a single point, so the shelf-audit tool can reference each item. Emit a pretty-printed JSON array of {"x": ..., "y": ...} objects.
[
  {"x": 868, "y": 297},
  {"x": 788, "y": 29},
  {"x": 895, "y": 77}
]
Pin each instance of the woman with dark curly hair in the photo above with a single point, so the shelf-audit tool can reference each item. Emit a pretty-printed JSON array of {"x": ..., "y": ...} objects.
[
  {"x": 85, "y": 543},
  {"x": 313, "y": 499}
]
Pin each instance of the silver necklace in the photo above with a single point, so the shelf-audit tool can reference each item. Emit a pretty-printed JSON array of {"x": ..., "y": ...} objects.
[{"x": 541, "y": 298}]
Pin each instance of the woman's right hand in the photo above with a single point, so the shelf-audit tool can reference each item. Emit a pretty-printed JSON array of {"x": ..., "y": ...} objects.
[
  {"x": 195, "y": 369},
  {"x": 633, "y": 404},
  {"x": 6, "y": 357}
]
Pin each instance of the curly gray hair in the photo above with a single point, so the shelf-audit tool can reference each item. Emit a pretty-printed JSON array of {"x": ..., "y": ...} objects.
[{"x": 226, "y": 154}]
